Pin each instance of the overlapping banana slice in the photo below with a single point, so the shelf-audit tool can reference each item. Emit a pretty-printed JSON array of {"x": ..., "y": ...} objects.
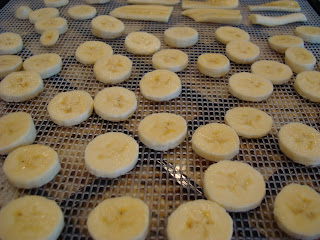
[
  {"x": 57, "y": 23},
  {"x": 282, "y": 6},
  {"x": 307, "y": 85},
  {"x": 281, "y": 43},
  {"x": 9, "y": 64},
  {"x": 213, "y": 64},
  {"x": 300, "y": 59},
  {"x": 142, "y": 43},
  {"x": 225, "y": 4},
  {"x": 309, "y": 34},
  {"x": 22, "y": 12},
  {"x": 89, "y": 52},
  {"x": 154, "y": 2},
  {"x": 10, "y": 43},
  {"x": 49, "y": 37},
  {"x": 181, "y": 37},
  {"x": 242, "y": 52},
  {"x": 55, "y": 3},
  {"x": 43, "y": 13},
  {"x": 277, "y": 21},
  {"x": 82, "y": 12},
  {"x": 228, "y": 34},
  {"x": 170, "y": 59},
  {"x": 107, "y": 27}
]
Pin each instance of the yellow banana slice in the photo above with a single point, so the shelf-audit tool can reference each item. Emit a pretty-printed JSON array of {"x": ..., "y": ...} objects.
[
  {"x": 307, "y": 84},
  {"x": 107, "y": 27},
  {"x": 10, "y": 43},
  {"x": 9, "y": 64},
  {"x": 299, "y": 59},
  {"x": 225, "y": 4},
  {"x": 55, "y": 3},
  {"x": 82, "y": 12},
  {"x": 89, "y": 52},
  {"x": 97, "y": 1},
  {"x": 277, "y": 21},
  {"x": 228, "y": 34},
  {"x": 43, "y": 13},
  {"x": 49, "y": 37},
  {"x": 213, "y": 64},
  {"x": 170, "y": 59},
  {"x": 57, "y": 23},
  {"x": 309, "y": 34},
  {"x": 181, "y": 37},
  {"x": 154, "y": 2},
  {"x": 282, "y": 6},
  {"x": 280, "y": 43},
  {"x": 22, "y": 12},
  {"x": 242, "y": 52},
  {"x": 142, "y": 43}
]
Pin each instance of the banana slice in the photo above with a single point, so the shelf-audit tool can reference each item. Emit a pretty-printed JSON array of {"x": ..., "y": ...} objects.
[
  {"x": 43, "y": 13},
  {"x": 70, "y": 108},
  {"x": 107, "y": 27},
  {"x": 242, "y": 52},
  {"x": 250, "y": 87},
  {"x": 309, "y": 34},
  {"x": 277, "y": 73},
  {"x": 181, "y": 37},
  {"x": 57, "y": 23},
  {"x": 112, "y": 69},
  {"x": 154, "y": 2},
  {"x": 115, "y": 104},
  {"x": 16, "y": 130},
  {"x": 299, "y": 59},
  {"x": 277, "y": 21},
  {"x": 31, "y": 217},
  {"x": 170, "y": 59},
  {"x": 162, "y": 131},
  {"x": 97, "y": 1},
  {"x": 249, "y": 122},
  {"x": 21, "y": 86},
  {"x": 46, "y": 64},
  {"x": 307, "y": 85},
  {"x": 9, "y": 64},
  {"x": 10, "y": 43},
  {"x": 142, "y": 43},
  {"x": 82, "y": 12},
  {"x": 300, "y": 143},
  {"x": 49, "y": 37},
  {"x": 282, "y": 6},
  {"x": 228, "y": 34},
  {"x": 296, "y": 211},
  {"x": 22, "y": 12},
  {"x": 160, "y": 85},
  {"x": 280, "y": 43},
  {"x": 89, "y": 52},
  {"x": 119, "y": 218},
  {"x": 226, "y": 4},
  {"x": 200, "y": 219},
  {"x": 213, "y": 64},
  {"x": 55, "y": 3}
]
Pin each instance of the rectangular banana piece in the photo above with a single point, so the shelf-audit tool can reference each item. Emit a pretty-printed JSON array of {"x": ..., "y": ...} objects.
[
  {"x": 156, "y": 13},
  {"x": 227, "y": 4},
  {"x": 154, "y": 2},
  {"x": 276, "y": 21},
  {"x": 283, "y": 6}
]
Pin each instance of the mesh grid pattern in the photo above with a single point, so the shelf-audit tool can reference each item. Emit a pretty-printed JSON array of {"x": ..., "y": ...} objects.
[{"x": 163, "y": 180}]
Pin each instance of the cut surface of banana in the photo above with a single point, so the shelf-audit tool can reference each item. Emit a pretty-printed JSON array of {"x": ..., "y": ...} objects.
[
  {"x": 57, "y": 23},
  {"x": 107, "y": 27},
  {"x": 70, "y": 108},
  {"x": 97, "y": 1},
  {"x": 250, "y": 87},
  {"x": 277, "y": 21},
  {"x": 115, "y": 104},
  {"x": 43, "y": 13},
  {"x": 296, "y": 211},
  {"x": 82, "y": 12},
  {"x": 225, "y": 4},
  {"x": 55, "y": 3},
  {"x": 17, "y": 129},
  {"x": 307, "y": 85},
  {"x": 228, "y": 34},
  {"x": 31, "y": 217},
  {"x": 213, "y": 64},
  {"x": 181, "y": 37},
  {"x": 280, "y": 43},
  {"x": 162, "y": 131},
  {"x": 89, "y": 52},
  {"x": 49, "y": 37},
  {"x": 300, "y": 143},
  {"x": 9, "y": 64},
  {"x": 300, "y": 59},
  {"x": 283, "y": 6},
  {"x": 142, "y": 43},
  {"x": 199, "y": 219},
  {"x": 10, "y": 43},
  {"x": 107, "y": 220},
  {"x": 242, "y": 52},
  {"x": 309, "y": 34},
  {"x": 170, "y": 59},
  {"x": 154, "y": 2},
  {"x": 22, "y": 12}
]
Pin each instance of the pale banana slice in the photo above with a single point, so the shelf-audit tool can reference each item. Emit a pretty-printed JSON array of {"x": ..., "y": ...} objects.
[
  {"x": 97, "y": 1},
  {"x": 107, "y": 27},
  {"x": 307, "y": 84},
  {"x": 57, "y": 23},
  {"x": 225, "y": 4},
  {"x": 181, "y": 37},
  {"x": 10, "y": 43},
  {"x": 215, "y": 142},
  {"x": 213, "y": 64},
  {"x": 198, "y": 220},
  {"x": 70, "y": 108},
  {"x": 119, "y": 218},
  {"x": 46, "y": 64},
  {"x": 160, "y": 85},
  {"x": 162, "y": 131},
  {"x": 277, "y": 73},
  {"x": 55, "y": 3},
  {"x": 21, "y": 86},
  {"x": 22, "y": 12},
  {"x": 155, "y": 13},
  {"x": 115, "y": 104},
  {"x": 49, "y": 37},
  {"x": 282, "y": 6},
  {"x": 170, "y": 59},
  {"x": 242, "y": 52},
  {"x": 16, "y": 130},
  {"x": 300, "y": 59},
  {"x": 277, "y": 21},
  {"x": 9, "y": 64},
  {"x": 154, "y": 2},
  {"x": 228, "y": 34},
  {"x": 112, "y": 69},
  {"x": 300, "y": 143},
  {"x": 250, "y": 87},
  {"x": 31, "y": 217},
  {"x": 142, "y": 43},
  {"x": 43, "y": 13},
  {"x": 309, "y": 34},
  {"x": 280, "y": 43},
  {"x": 89, "y": 52},
  {"x": 82, "y": 12},
  {"x": 249, "y": 122}
]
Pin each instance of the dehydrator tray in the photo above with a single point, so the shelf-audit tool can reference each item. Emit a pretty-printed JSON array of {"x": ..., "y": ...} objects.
[{"x": 164, "y": 180}]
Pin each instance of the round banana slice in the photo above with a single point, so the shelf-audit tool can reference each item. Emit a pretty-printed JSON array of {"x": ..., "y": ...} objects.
[
  {"x": 49, "y": 37},
  {"x": 43, "y": 13},
  {"x": 307, "y": 85},
  {"x": 55, "y": 3},
  {"x": 107, "y": 27},
  {"x": 213, "y": 64},
  {"x": 82, "y": 12},
  {"x": 280, "y": 43},
  {"x": 22, "y": 12},
  {"x": 111, "y": 155},
  {"x": 10, "y": 43},
  {"x": 249, "y": 122},
  {"x": 309, "y": 34},
  {"x": 296, "y": 211},
  {"x": 215, "y": 142},
  {"x": 170, "y": 59},
  {"x": 300, "y": 143},
  {"x": 160, "y": 85},
  {"x": 200, "y": 219},
  {"x": 142, "y": 43},
  {"x": 277, "y": 73},
  {"x": 21, "y": 86},
  {"x": 181, "y": 37},
  {"x": 112, "y": 69},
  {"x": 31, "y": 217},
  {"x": 46, "y": 64},
  {"x": 115, "y": 104},
  {"x": 299, "y": 59},
  {"x": 119, "y": 218},
  {"x": 250, "y": 87},
  {"x": 17, "y": 129},
  {"x": 228, "y": 34},
  {"x": 70, "y": 108},
  {"x": 236, "y": 186},
  {"x": 9, "y": 64},
  {"x": 242, "y": 52},
  {"x": 162, "y": 131},
  {"x": 57, "y": 23},
  {"x": 89, "y": 52},
  {"x": 97, "y": 1}
]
